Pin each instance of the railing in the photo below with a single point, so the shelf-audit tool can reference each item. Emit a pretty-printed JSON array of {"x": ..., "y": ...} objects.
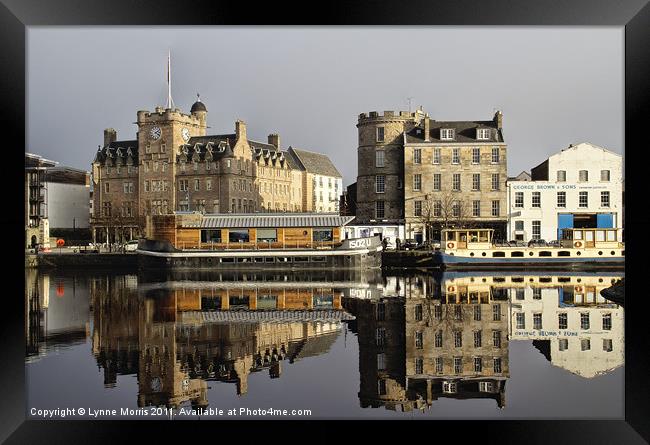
[{"x": 267, "y": 245}]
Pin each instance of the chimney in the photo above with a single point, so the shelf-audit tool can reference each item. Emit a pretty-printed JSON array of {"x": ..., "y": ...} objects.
[
  {"x": 274, "y": 139},
  {"x": 498, "y": 119},
  {"x": 427, "y": 128},
  {"x": 240, "y": 129},
  {"x": 110, "y": 135}
]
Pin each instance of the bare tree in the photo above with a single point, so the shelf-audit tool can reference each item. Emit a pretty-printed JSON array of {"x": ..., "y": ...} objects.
[{"x": 444, "y": 210}]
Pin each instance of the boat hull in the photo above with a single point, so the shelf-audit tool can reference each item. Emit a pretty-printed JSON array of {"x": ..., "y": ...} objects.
[{"x": 457, "y": 262}]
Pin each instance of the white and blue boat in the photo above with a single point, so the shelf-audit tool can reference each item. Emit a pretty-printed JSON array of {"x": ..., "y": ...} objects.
[{"x": 578, "y": 248}]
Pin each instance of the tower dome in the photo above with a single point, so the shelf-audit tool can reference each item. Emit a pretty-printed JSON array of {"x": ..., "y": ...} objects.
[{"x": 198, "y": 105}]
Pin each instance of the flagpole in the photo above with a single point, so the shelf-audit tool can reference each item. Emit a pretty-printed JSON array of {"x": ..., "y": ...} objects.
[{"x": 169, "y": 79}]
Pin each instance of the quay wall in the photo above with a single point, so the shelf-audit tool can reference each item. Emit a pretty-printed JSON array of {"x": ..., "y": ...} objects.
[{"x": 95, "y": 260}]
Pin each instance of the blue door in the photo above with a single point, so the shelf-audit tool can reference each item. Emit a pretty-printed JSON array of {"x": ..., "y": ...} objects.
[
  {"x": 564, "y": 221},
  {"x": 605, "y": 220}
]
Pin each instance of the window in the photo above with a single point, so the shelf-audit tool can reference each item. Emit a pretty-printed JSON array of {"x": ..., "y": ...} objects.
[
  {"x": 381, "y": 312},
  {"x": 107, "y": 187},
  {"x": 379, "y": 158},
  {"x": 437, "y": 338},
  {"x": 381, "y": 361},
  {"x": 455, "y": 155},
  {"x": 561, "y": 199},
  {"x": 447, "y": 134},
  {"x": 208, "y": 184},
  {"x": 379, "y": 209},
  {"x": 585, "y": 344},
  {"x": 417, "y": 182},
  {"x": 458, "y": 339},
  {"x": 267, "y": 235},
  {"x": 478, "y": 339},
  {"x": 381, "y": 387},
  {"x": 519, "y": 225},
  {"x": 537, "y": 293},
  {"x": 476, "y": 181},
  {"x": 478, "y": 364},
  {"x": 519, "y": 199},
  {"x": 458, "y": 365},
  {"x": 537, "y": 321},
  {"x": 106, "y": 209},
  {"x": 604, "y": 175},
  {"x": 584, "y": 320},
  {"x": 322, "y": 235},
  {"x": 437, "y": 208},
  {"x": 583, "y": 199},
  {"x": 418, "y": 340},
  {"x": 458, "y": 312},
  {"x": 495, "y": 181},
  {"x": 486, "y": 387},
  {"x": 436, "y": 181},
  {"x": 419, "y": 365},
  {"x": 211, "y": 236},
  {"x": 496, "y": 312},
  {"x": 537, "y": 229},
  {"x": 380, "y": 336},
  {"x": 418, "y": 208},
  {"x": 496, "y": 365},
  {"x": 452, "y": 387},
  {"x": 147, "y": 186},
  {"x": 495, "y": 208},
  {"x": 380, "y": 183},
  {"x": 477, "y": 312},
  {"x": 380, "y": 134},
  {"x": 583, "y": 176},
  {"x": 439, "y": 365},
  {"x": 128, "y": 187},
  {"x": 521, "y": 320},
  {"x": 607, "y": 322},
  {"x": 436, "y": 155},
  {"x": 604, "y": 199},
  {"x": 519, "y": 294},
  {"x": 562, "y": 320},
  {"x": 563, "y": 344},
  {"x": 607, "y": 345},
  {"x": 483, "y": 134},
  {"x": 456, "y": 182},
  {"x": 476, "y": 208},
  {"x": 476, "y": 155},
  {"x": 197, "y": 184},
  {"x": 437, "y": 312},
  {"x": 417, "y": 156},
  {"x": 182, "y": 185},
  {"x": 561, "y": 176},
  {"x": 495, "y": 155},
  {"x": 537, "y": 199},
  {"x": 418, "y": 312},
  {"x": 455, "y": 209},
  {"x": 496, "y": 339}
]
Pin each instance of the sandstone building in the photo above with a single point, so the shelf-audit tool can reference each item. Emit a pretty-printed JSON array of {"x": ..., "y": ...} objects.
[
  {"x": 174, "y": 165},
  {"x": 422, "y": 175}
]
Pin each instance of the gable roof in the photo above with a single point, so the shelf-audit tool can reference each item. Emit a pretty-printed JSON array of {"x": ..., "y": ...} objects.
[
  {"x": 312, "y": 162},
  {"x": 464, "y": 131}
]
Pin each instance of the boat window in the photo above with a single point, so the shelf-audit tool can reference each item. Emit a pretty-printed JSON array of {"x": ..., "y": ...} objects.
[
  {"x": 611, "y": 235},
  {"x": 244, "y": 260},
  {"x": 267, "y": 235},
  {"x": 238, "y": 235},
  {"x": 517, "y": 279},
  {"x": 516, "y": 254},
  {"x": 211, "y": 236},
  {"x": 473, "y": 237},
  {"x": 227, "y": 260},
  {"x": 318, "y": 259},
  {"x": 300, "y": 259},
  {"x": 564, "y": 253},
  {"x": 483, "y": 236},
  {"x": 451, "y": 236},
  {"x": 589, "y": 235},
  {"x": 269, "y": 259},
  {"x": 600, "y": 235},
  {"x": 577, "y": 234},
  {"x": 545, "y": 253},
  {"x": 323, "y": 235},
  {"x": 259, "y": 259},
  {"x": 498, "y": 254},
  {"x": 545, "y": 280}
]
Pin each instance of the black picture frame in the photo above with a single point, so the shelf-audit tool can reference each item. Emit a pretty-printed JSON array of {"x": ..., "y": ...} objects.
[{"x": 634, "y": 15}]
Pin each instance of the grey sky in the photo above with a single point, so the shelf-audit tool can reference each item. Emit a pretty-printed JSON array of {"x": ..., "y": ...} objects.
[{"x": 555, "y": 86}]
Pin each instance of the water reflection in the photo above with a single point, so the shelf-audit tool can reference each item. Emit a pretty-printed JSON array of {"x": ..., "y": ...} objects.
[{"x": 421, "y": 337}]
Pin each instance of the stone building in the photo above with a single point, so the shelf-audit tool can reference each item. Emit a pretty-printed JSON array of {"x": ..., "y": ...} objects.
[
  {"x": 174, "y": 165},
  {"x": 321, "y": 181},
  {"x": 424, "y": 174}
]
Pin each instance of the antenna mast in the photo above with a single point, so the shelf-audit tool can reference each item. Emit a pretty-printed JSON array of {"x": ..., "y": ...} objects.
[{"x": 170, "y": 101}]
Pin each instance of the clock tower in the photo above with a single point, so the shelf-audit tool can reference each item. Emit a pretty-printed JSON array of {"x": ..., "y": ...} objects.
[{"x": 161, "y": 134}]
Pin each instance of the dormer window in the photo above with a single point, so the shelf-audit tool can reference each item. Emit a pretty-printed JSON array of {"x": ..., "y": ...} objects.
[
  {"x": 446, "y": 134},
  {"x": 482, "y": 134}
]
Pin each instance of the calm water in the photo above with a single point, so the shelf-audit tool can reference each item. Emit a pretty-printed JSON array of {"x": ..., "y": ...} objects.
[{"x": 345, "y": 345}]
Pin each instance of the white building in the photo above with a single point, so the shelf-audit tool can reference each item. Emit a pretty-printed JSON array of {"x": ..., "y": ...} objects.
[
  {"x": 321, "y": 181},
  {"x": 581, "y": 186}
]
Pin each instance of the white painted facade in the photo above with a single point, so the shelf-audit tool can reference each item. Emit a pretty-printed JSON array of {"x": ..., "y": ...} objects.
[
  {"x": 390, "y": 232},
  {"x": 523, "y": 218},
  {"x": 68, "y": 205},
  {"x": 585, "y": 351},
  {"x": 326, "y": 193}
]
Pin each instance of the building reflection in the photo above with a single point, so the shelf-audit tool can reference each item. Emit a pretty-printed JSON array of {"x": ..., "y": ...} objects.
[
  {"x": 178, "y": 336},
  {"x": 447, "y": 335}
]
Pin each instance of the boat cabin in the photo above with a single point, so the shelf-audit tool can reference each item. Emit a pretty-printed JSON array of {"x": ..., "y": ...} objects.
[
  {"x": 467, "y": 238},
  {"x": 592, "y": 237}
]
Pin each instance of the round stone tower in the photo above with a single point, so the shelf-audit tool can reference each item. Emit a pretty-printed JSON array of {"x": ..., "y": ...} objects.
[{"x": 381, "y": 154}]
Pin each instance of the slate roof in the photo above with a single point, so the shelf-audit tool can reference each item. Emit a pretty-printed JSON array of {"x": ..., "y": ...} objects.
[
  {"x": 465, "y": 131},
  {"x": 200, "y": 147},
  {"x": 316, "y": 163},
  {"x": 272, "y": 220},
  {"x": 119, "y": 150}
]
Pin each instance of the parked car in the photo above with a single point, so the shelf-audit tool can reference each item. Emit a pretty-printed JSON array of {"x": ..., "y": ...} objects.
[{"x": 131, "y": 246}]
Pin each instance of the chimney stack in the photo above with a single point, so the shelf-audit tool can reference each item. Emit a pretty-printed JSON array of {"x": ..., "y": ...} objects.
[
  {"x": 110, "y": 135},
  {"x": 498, "y": 119},
  {"x": 274, "y": 139},
  {"x": 240, "y": 130},
  {"x": 427, "y": 128}
]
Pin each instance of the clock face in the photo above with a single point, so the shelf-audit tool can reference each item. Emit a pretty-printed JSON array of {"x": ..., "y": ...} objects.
[
  {"x": 185, "y": 383},
  {"x": 155, "y": 133},
  {"x": 155, "y": 384},
  {"x": 185, "y": 133}
]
